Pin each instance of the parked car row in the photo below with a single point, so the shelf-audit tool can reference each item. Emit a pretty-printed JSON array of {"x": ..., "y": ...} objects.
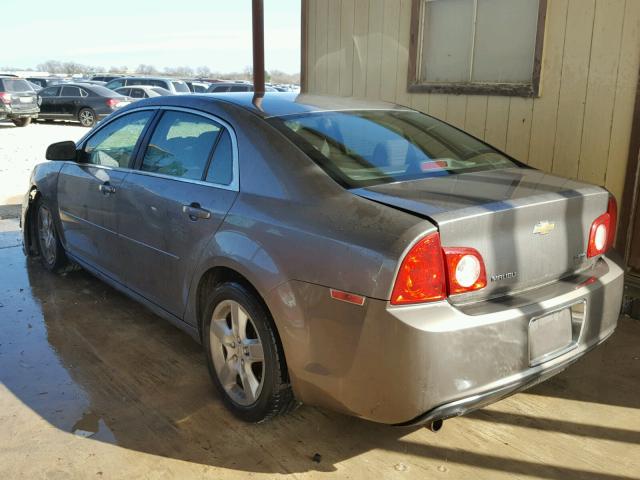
[{"x": 89, "y": 100}]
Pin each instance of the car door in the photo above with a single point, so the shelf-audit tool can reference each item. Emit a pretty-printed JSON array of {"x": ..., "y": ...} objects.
[
  {"x": 88, "y": 189},
  {"x": 174, "y": 202},
  {"x": 47, "y": 99}
]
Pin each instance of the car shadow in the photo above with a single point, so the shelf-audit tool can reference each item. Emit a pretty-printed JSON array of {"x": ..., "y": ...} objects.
[{"x": 92, "y": 362}]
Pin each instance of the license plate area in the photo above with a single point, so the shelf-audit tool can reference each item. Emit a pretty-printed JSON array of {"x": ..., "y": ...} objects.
[
  {"x": 26, "y": 99},
  {"x": 555, "y": 333}
]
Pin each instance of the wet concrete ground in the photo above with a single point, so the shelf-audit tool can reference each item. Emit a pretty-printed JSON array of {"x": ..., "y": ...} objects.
[{"x": 92, "y": 385}]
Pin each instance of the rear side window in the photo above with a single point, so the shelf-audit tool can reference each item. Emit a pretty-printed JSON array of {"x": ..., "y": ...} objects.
[
  {"x": 223, "y": 88},
  {"x": 239, "y": 88},
  {"x": 180, "y": 87},
  {"x": 113, "y": 145},
  {"x": 137, "y": 93},
  {"x": 181, "y": 145},
  {"x": 71, "y": 92},
  {"x": 221, "y": 167},
  {"x": 19, "y": 85}
]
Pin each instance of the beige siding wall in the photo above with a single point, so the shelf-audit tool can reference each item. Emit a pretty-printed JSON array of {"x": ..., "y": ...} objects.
[{"x": 578, "y": 127}]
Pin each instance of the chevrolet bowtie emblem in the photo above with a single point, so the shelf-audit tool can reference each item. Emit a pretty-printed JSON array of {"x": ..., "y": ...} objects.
[{"x": 543, "y": 228}]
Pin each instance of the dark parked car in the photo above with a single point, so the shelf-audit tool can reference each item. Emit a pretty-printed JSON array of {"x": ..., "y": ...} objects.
[
  {"x": 358, "y": 256},
  {"x": 41, "y": 81},
  {"x": 197, "y": 87},
  {"x": 220, "y": 87},
  {"x": 18, "y": 101},
  {"x": 173, "y": 85},
  {"x": 142, "y": 92},
  {"x": 106, "y": 77},
  {"x": 80, "y": 102}
]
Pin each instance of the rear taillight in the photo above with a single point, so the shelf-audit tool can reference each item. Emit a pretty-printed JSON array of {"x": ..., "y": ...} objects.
[
  {"x": 612, "y": 210},
  {"x": 421, "y": 276},
  {"x": 429, "y": 272},
  {"x": 5, "y": 97},
  {"x": 112, "y": 102},
  {"x": 465, "y": 270},
  {"x": 603, "y": 230}
]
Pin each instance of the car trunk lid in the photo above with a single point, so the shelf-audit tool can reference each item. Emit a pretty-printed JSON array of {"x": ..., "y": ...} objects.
[{"x": 531, "y": 228}]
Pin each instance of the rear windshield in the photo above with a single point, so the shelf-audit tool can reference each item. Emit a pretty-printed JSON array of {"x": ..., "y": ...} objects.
[
  {"x": 364, "y": 148},
  {"x": 181, "y": 87},
  {"x": 103, "y": 91},
  {"x": 15, "y": 85}
]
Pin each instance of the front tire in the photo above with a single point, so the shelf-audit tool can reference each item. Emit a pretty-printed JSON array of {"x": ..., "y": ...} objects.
[
  {"x": 243, "y": 355},
  {"x": 87, "y": 117},
  {"x": 21, "y": 122},
  {"x": 52, "y": 255}
]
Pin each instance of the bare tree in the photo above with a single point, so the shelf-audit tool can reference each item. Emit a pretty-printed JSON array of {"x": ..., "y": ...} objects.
[
  {"x": 203, "y": 71},
  {"x": 145, "y": 69}
]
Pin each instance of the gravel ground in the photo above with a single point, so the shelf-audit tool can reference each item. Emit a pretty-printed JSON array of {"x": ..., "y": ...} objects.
[{"x": 22, "y": 148}]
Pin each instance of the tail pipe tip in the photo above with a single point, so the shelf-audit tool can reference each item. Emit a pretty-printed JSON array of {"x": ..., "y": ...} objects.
[{"x": 435, "y": 425}]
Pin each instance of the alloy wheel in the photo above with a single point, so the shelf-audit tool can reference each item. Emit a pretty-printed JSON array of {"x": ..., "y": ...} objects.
[
  {"x": 86, "y": 118},
  {"x": 237, "y": 353}
]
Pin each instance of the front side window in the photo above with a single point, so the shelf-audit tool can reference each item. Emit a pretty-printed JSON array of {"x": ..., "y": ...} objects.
[
  {"x": 113, "y": 84},
  {"x": 363, "y": 148},
  {"x": 114, "y": 144},
  {"x": 49, "y": 92},
  {"x": 181, "y": 145},
  {"x": 477, "y": 46},
  {"x": 138, "y": 93}
]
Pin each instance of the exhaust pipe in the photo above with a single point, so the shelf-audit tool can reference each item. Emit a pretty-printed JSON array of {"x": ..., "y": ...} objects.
[{"x": 436, "y": 425}]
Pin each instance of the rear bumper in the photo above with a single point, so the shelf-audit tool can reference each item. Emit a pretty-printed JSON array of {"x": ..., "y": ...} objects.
[
  {"x": 11, "y": 114},
  {"x": 414, "y": 364},
  {"x": 475, "y": 402}
]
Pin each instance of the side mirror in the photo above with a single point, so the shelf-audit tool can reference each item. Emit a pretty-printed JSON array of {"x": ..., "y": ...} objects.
[{"x": 62, "y": 151}]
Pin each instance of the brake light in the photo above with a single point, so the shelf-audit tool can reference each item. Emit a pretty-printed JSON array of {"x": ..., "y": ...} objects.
[
  {"x": 603, "y": 230},
  {"x": 599, "y": 235},
  {"x": 112, "y": 102},
  {"x": 612, "y": 210},
  {"x": 421, "y": 276},
  {"x": 465, "y": 270},
  {"x": 430, "y": 273},
  {"x": 5, "y": 97}
]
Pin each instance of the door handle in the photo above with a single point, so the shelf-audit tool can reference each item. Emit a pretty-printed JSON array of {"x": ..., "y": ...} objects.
[
  {"x": 107, "y": 189},
  {"x": 195, "y": 211}
]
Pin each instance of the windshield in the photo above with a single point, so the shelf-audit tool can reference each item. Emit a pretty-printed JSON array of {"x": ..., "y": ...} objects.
[
  {"x": 364, "y": 148},
  {"x": 181, "y": 87},
  {"x": 11, "y": 85}
]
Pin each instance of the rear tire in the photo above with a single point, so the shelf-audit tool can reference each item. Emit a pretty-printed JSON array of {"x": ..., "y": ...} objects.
[
  {"x": 87, "y": 117},
  {"x": 243, "y": 355},
  {"x": 21, "y": 122},
  {"x": 52, "y": 254}
]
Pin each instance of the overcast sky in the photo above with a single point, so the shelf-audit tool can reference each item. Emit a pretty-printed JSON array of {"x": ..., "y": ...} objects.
[{"x": 163, "y": 33}]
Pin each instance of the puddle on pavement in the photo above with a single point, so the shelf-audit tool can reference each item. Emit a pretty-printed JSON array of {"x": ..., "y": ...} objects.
[{"x": 91, "y": 425}]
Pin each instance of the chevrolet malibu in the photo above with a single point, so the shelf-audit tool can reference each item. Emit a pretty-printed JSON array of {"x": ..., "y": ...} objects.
[{"x": 361, "y": 257}]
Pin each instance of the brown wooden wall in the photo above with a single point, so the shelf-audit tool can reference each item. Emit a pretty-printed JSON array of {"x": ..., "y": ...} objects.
[{"x": 579, "y": 126}]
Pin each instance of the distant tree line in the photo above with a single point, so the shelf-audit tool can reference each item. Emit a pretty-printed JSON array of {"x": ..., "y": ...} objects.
[{"x": 71, "y": 68}]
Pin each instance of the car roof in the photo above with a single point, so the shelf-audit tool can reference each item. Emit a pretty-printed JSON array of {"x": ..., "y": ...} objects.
[
  {"x": 273, "y": 104},
  {"x": 277, "y": 104},
  {"x": 150, "y": 78}
]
